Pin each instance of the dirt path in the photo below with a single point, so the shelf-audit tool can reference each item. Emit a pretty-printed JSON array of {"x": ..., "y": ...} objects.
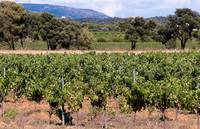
[{"x": 36, "y": 52}]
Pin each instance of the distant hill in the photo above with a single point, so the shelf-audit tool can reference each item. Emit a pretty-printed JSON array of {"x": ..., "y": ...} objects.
[
  {"x": 101, "y": 21},
  {"x": 158, "y": 19},
  {"x": 64, "y": 11},
  {"x": 115, "y": 20}
]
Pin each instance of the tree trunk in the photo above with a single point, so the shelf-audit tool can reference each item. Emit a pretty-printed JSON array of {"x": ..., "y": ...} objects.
[
  {"x": 48, "y": 48},
  {"x": 105, "y": 126},
  {"x": 198, "y": 121},
  {"x": 183, "y": 44},
  {"x": 77, "y": 116},
  {"x": 49, "y": 117},
  {"x": 52, "y": 47},
  {"x": 22, "y": 43},
  {"x": 150, "y": 110},
  {"x": 135, "y": 115},
  {"x": 177, "y": 113},
  {"x": 12, "y": 45},
  {"x": 133, "y": 45},
  {"x": 2, "y": 106},
  {"x": 163, "y": 118},
  {"x": 9, "y": 45}
]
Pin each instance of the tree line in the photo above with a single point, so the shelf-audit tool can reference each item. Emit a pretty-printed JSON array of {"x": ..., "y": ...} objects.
[
  {"x": 182, "y": 26},
  {"x": 17, "y": 24}
]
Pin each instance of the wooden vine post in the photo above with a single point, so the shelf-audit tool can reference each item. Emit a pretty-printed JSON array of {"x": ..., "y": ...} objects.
[
  {"x": 134, "y": 81},
  {"x": 134, "y": 76},
  {"x": 3, "y": 95},
  {"x": 198, "y": 121},
  {"x": 63, "y": 105}
]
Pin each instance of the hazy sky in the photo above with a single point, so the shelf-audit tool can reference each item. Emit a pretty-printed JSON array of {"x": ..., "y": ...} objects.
[{"x": 126, "y": 8}]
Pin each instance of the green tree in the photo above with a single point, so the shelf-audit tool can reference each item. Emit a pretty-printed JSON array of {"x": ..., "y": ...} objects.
[
  {"x": 180, "y": 26},
  {"x": 85, "y": 39},
  {"x": 60, "y": 33},
  {"x": 136, "y": 28},
  {"x": 166, "y": 36},
  {"x": 33, "y": 25},
  {"x": 45, "y": 27},
  {"x": 12, "y": 22}
]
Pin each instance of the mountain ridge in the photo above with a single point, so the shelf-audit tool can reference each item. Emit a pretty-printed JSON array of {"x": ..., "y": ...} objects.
[{"x": 65, "y": 11}]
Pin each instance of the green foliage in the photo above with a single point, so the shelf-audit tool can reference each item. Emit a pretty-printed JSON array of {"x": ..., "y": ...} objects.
[
  {"x": 12, "y": 18},
  {"x": 58, "y": 33},
  {"x": 162, "y": 80},
  {"x": 95, "y": 27},
  {"x": 17, "y": 24},
  {"x": 182, "y": 26},
  {"x": 171, "y": 44},
  {"x": 84, "y": 40},
  {"x": 101, "y": 40},
  {"x": 108, "y": 36},
  {"x": 4, "y": 86},
  {"x": 137, "y": 28},
  {"x": 137, "y": 99}
]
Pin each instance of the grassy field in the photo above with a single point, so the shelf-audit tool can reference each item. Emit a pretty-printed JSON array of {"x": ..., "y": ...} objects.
[
  {"x": 140, "y": 46},
  {"x": 36, "y": 45},
  {"x": 116, "y": 41},
  {"x": 108, "y": 36},
  {"x": 126, "y": 45},
  {"x": 40, "y": 45},
  {"x": 107, "y": 41}
]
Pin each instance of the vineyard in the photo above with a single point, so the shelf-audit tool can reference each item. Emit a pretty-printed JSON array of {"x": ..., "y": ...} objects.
[{"x": 137, "y": 82}]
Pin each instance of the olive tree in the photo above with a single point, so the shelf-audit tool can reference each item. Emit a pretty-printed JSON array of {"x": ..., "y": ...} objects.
[
  {"x": 180, "y": 26},
  {"x": 12, "y": 18},
  {"x": 137, "y": 28}
]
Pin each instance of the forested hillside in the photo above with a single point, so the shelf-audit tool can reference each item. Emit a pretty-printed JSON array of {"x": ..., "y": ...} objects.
[{"x": 64, "y": 11}]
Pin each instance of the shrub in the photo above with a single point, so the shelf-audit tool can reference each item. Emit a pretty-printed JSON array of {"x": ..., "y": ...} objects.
[
  {"x": 36, "y": 36},
  {"x": 10, "y": 114},
  {"x": 101, "y": 40},
  {"x": 117, "y": 40},
  {"x": 171, "y": 44}
]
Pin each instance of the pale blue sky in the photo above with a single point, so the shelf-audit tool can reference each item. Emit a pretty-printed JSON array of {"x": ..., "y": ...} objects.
[{"x": 126, "y": 8}]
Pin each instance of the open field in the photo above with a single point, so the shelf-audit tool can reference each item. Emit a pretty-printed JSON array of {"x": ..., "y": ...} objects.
[
  {"x": 108, "y": 36},
  {"x": 40, "y": 45},
  {"x": 126, "y": 46},
  {"x": 107, "y": 41}
]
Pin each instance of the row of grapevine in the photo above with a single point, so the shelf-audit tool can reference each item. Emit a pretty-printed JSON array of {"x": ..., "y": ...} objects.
[{"x": 142, "y": 81}]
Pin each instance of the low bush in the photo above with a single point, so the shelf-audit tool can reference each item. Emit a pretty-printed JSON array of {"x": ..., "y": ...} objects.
[{"x": 10, "y": 113}]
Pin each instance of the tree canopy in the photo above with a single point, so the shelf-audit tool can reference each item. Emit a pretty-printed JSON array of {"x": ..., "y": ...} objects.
[
  {"x": 12, "y": 17},
  {"x": 137, "y": 28},
  {"x": 59, "y": 33},
  {"x": 17, "y": 24},
  {"x": 180, "y": 26}
]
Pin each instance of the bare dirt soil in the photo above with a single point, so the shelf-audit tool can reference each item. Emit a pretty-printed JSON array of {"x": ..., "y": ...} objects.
[{"x": 30, "y": 115}]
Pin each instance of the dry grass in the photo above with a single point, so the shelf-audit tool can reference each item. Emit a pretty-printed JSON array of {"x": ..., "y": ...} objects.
[{"x": 37, "y": 52}]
